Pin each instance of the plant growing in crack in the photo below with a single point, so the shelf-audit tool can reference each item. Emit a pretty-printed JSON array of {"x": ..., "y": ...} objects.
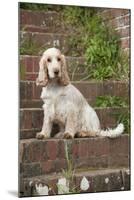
[
  {"x": 111, "y": 101},
  {"x": 98, "y": 42},
  {"x": 30, "y": 47},
  {"x": 65, "y": 184}
]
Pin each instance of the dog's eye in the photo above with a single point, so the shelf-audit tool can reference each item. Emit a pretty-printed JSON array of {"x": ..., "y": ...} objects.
[
  {"x": 48, "y": 60},
  {"x": 59, "y": 59}
]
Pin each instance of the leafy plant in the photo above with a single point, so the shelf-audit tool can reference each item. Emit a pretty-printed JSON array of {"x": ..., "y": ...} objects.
[
  {"x": 69, "y": 172},
  {"x": 98, "y": 42},
  {"x": 77, "y": 15},
  {"x": 110, "y": 101},
  {"x": 30, "y": 47},
  {"x": 90, "y": 37},
  {"x": 35, "y": 6}
]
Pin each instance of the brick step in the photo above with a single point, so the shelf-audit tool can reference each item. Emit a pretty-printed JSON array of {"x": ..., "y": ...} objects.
[
  {"x": 29, "y": 66},
  {"x": 31, "y": 120},
  {"x": 41, "y": 21},
  {"x": 42, "y": 41},
  {"x": 31, "y": 133},
  {"x": 31, "y": 103},
  {"x": 31, "y": 63},
  {"x": 90, "y": 90},
  {"x": 42, "y": 157},
  {"x": 33, "y": 76},
  {"x": 39, "y": 103},
  {"x": 100, "y": 180}
]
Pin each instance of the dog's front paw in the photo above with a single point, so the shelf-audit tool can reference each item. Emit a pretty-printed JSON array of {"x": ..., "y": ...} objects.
[
  {"x": 81, "y": 134},
  {"x": 41, "y": 136},
  {"x": 67, "y": 136}
]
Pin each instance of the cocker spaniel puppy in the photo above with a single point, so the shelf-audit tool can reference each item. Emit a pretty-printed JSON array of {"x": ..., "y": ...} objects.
[{"x": 64, "y": 104}]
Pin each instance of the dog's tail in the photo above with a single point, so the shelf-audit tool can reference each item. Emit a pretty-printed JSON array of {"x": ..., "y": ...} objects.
[{"x": 112, "y": 133}]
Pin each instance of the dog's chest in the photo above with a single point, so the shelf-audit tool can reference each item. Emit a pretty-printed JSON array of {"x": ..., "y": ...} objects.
[{"x": 54, "y": 100}]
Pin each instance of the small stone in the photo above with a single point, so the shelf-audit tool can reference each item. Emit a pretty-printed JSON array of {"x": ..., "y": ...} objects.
[
  {"x": 122, "y": 188},
  {"x": 128, "y": 172},
  {"x": 118, "y": 177},
  {"x": 42, "y": 190},
  {"x": 107, "y": 180},
  {"x": 84, "y": 185},
  {"x": 63, "y": 186},
  {"x": 62, "y": 181},
  {"x": 44, "y": 23},
  {"x": 30, "y": 183}
]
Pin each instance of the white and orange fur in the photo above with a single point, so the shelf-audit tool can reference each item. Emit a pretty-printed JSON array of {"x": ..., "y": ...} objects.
[{"x": 64, "y": 104}]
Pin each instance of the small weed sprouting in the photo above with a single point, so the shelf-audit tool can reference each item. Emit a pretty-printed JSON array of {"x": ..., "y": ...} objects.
[
  {"x": 68, "y": 174},
  {"x": 110, "y": 101},
  {"x": 29, "y": 47}
]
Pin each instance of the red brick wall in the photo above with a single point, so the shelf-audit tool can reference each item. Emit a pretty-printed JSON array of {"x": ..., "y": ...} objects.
[{"x": 120, "y": 20}]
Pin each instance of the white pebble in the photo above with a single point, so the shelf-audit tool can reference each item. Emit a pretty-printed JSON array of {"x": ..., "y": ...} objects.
[{"x": 84, "y": 185}]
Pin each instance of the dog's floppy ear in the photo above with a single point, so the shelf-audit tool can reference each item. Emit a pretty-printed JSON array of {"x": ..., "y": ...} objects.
[
  {"x": 64, "y": 75},
  {"x": 42, "y": 79}
]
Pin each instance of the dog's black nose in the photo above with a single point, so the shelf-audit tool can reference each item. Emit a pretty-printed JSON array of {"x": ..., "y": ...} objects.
[{"x": 56, "y": 72}]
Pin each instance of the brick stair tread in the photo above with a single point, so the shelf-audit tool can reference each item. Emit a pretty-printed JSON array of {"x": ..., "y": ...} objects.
[
  {"x": 39, "y": 11},
  {"x": 42, "y": 21},
  {"x": 100, "y": 180},
  {"x": 46, "y": 40},
  {"x": 42, "y": 34},
  {"x": 56, "y": 139},
  {"x": 29, "y": 133},
  {"x": 30, "y": 66},
  {"x": 31, "y": 103},
  {"x": 39, "y": 103},
  {"x": 90, "y": 89},
  {"x": 52, "y": 27},
  {"x": 47, "y": 29},
  {"x": 79, "y": 172},
  {"x": 31, "y": 120},
  {"x": 75, "y": 77},
  {"x": 28, "y": 17},
  {"x": 92, "y": 81},
  {"x": 39, "y": 157},
  {"x": 96, "y": 108}
]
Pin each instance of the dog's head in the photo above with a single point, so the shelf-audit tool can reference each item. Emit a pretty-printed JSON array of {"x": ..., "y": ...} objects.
[{"x": 52, "y": 66}]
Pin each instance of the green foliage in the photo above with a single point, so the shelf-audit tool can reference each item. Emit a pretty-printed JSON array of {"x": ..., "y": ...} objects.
[
  {"x": 35, "y": 6},
  {"x": 30, "y": 47},
  {"x": 98, "y": 42},
  {"x": 40, "y": 7},
  {"x": 110, "y": 101},
  {"x": 90, "y": 37},
  {"x": 77, "y": 15},
  {"x": 69, "y": 172},
  {"x": 104, "y": 57}
]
